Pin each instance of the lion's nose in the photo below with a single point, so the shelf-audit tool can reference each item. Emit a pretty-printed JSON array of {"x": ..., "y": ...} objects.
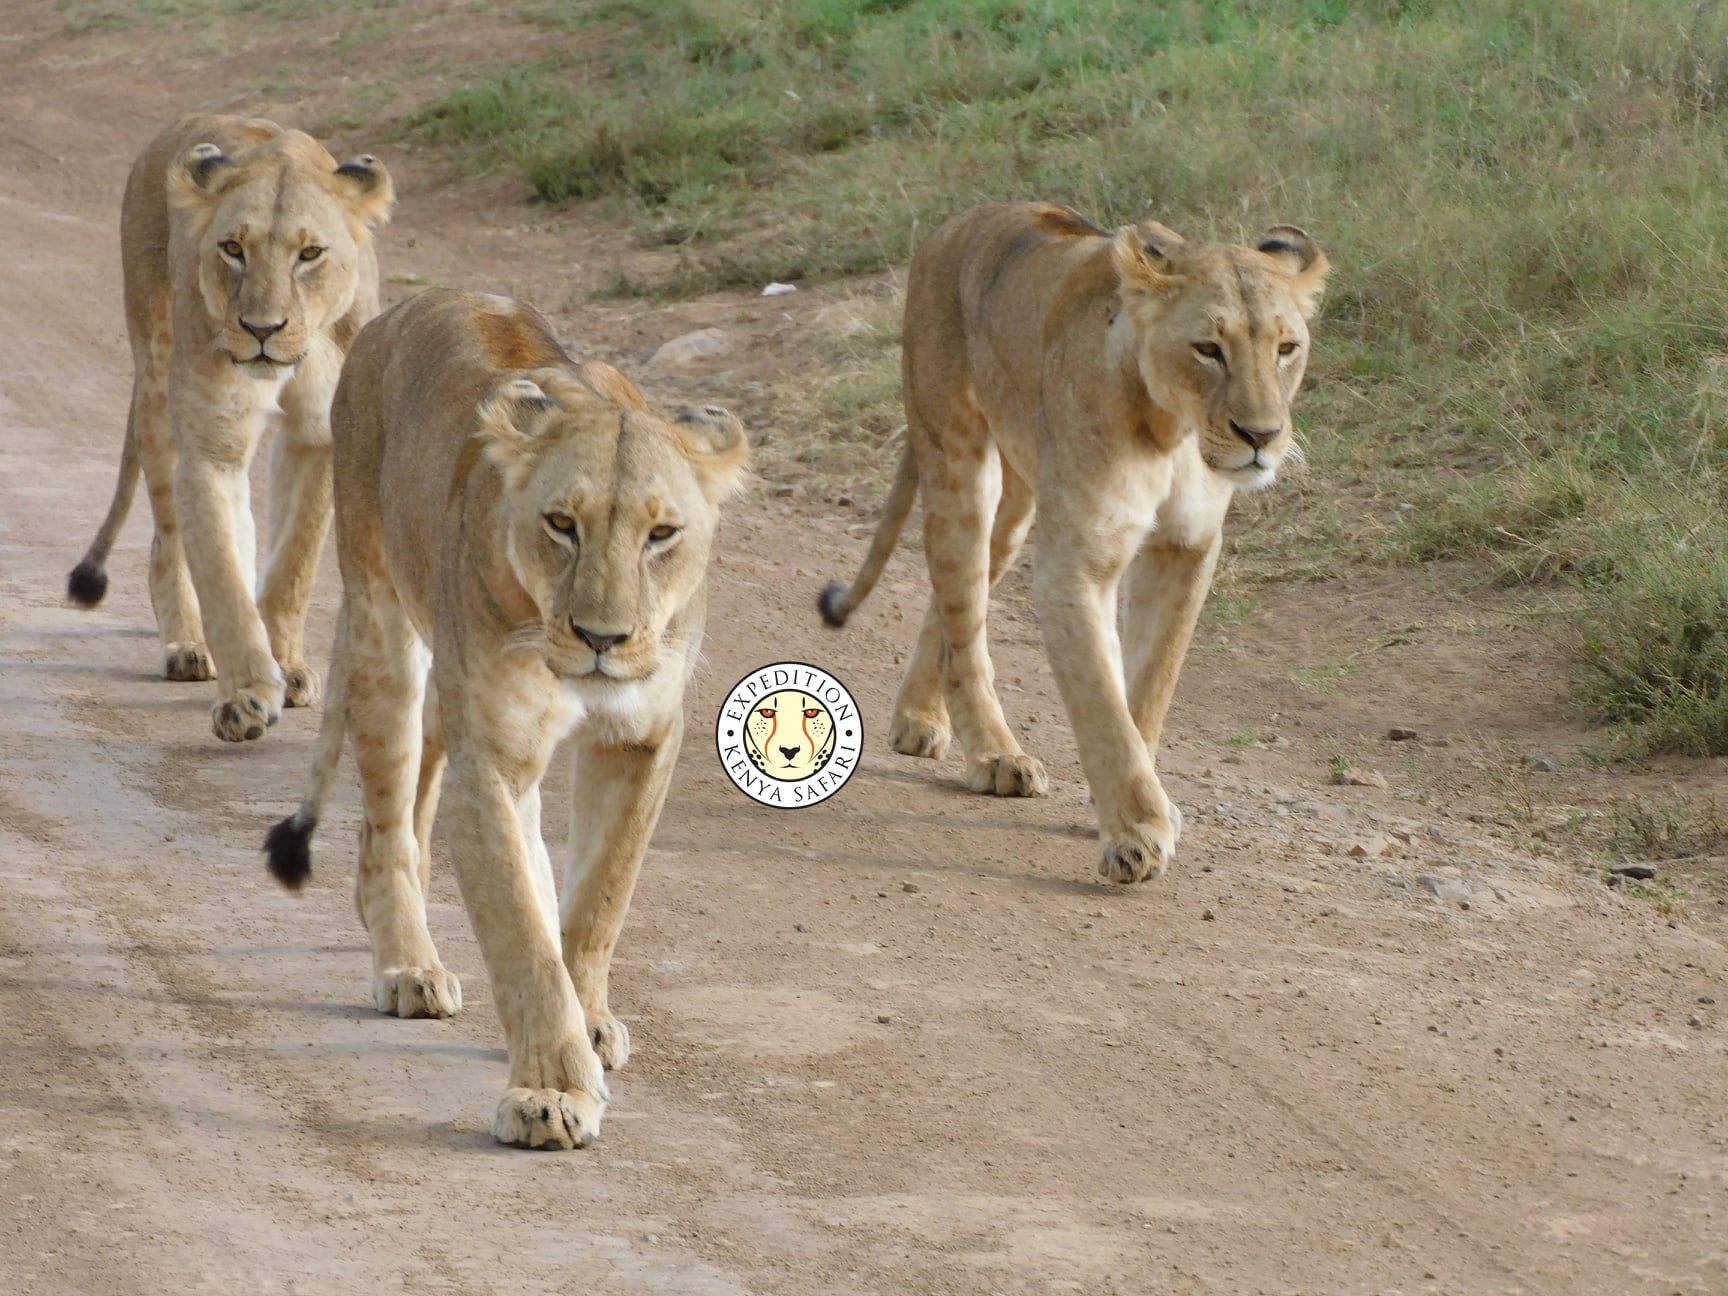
[
  {"x": 598, "y": 641},
  {"x": 1259, "y": 438},
  {"x": 263, "y": 332}
]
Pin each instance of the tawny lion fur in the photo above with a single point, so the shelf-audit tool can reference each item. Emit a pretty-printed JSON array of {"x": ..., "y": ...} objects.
[
  {"x": 249, "y": 267},
  {"x": 1128, "y": 385},
  {"x": 546, "y": 536}
]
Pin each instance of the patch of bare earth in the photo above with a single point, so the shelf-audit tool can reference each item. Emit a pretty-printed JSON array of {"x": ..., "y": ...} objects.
[{"x": 1361, "y": 1038}]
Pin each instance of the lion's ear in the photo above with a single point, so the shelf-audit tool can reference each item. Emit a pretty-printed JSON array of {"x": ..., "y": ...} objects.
[
  {"x": 1142, "y": 256},
  {"x": 1301, "y": 261},
  {"x": 606, "y": 381},
  {"x": 193, "y": 181},
  {"x": 511, "y": 421},
  {"x": 714, "y": 442},
  {"x": 366, "y": 185}
]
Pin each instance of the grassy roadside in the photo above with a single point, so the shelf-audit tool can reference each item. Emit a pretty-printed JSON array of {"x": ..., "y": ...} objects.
[
  {"x": 1523, "y": 362},
  {"x": 1526, "y": 341}
]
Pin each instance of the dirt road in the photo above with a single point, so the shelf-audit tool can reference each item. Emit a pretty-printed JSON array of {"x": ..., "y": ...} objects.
[{"x": 899, "y": 1043}]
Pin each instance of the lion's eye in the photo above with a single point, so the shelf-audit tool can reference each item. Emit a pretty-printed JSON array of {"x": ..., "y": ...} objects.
[
  {"x": 1286, "y": 348},
  {"x": 311, "y": 253},
  {"x": 662, "y": 533},
  {"x": 812, "y": 713},
  {"x": 562, "y": 524},
  {"x": 231, "y": 248},
  {"x": 1209, "y": 350},
  {"x": 767, "y": 713}
]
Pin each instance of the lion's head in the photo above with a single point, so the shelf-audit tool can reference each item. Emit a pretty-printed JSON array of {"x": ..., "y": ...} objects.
[
  {"x": 609, "y": 515},
  {"x": 1221, "y": 333},
  {"x": 278, "y": 230}
]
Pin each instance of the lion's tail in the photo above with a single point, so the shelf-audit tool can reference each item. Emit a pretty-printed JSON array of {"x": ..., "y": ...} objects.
[
  {"x": 288, "y": 845},
  {"x": 837, "y": 602},
  {"x": 89, "y": 579}
]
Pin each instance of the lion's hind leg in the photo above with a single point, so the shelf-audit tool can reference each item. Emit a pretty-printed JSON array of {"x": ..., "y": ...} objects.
[
  {"x": 920, "y": 711},
  {"x": 172, "y": 597},
  {"x": 386, "y": 679},
  {"x": 963, "y": 479}
]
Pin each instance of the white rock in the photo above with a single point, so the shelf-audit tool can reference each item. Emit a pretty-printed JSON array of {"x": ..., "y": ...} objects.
[
  {"x": 779, "y": 289},
  {"x": 703, "y": 344}
]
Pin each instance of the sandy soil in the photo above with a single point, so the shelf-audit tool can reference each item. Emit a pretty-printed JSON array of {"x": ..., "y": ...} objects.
[{"x": 903, "y": 1042}]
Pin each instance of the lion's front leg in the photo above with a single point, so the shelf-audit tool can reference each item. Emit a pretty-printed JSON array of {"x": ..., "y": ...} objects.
[
  {"x": 557, "y": 1090},
  {"x": 1137, "y": 825},
  {"x": 1166, "y": 588},
  {"x": 296, "y": 522},
  {"x": 619, "y": 789},
  {"x": 214, "y": 503}
]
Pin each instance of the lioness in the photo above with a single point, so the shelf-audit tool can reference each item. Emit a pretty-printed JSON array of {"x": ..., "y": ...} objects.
[
  {"x": 1130, "y": 385},
  {"x": 248, "y": 263},
  {"x": 546, "y": 536}
]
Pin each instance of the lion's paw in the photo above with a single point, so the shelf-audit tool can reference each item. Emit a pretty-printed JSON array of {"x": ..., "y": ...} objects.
[
  {"x": 914, "y": 735},
  {"x": 611, "y": 1040},
  {"x": 418, "y": 992},
  {"x": 1005, "y": 775},
  {"x": 547, "y": 1118},
  {"x": 301, "y": 686},
  {"x": 187, "y": 661},
  {"x": 248, "y": 712},
  {"x": 1136, "y": 853}
]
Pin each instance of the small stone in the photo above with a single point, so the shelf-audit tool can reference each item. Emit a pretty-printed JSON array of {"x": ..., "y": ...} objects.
[
  {"x": 1695, "y": 1021},
  {"x": 1206, "y": 915},
  {"x": 911, "y": 888},
  {"x": 845, "y": 501},
  {"x": 1370, "y": 848},
  {"x": 785, "y": 492},
  {"x": 1360, "y": 778},
  {"x": 1540, "y": 764},
  {"x": 1398, "y": 734},
  {"x": 1706, "y": 999},
  {"x": 1231, "y": 759},
  {"x": 1642, "y": 872},
  {"x": 882, "y": 1019},
  {"x": 688, "y": 348},
  {"x": 803, "y": 927}
]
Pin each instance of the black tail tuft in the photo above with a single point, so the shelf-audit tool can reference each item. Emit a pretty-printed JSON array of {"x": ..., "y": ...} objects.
[
  {"x": 289, "y": 846},
  {"x": 87, "y": 585},
  {"x": 828, "y": 603}
]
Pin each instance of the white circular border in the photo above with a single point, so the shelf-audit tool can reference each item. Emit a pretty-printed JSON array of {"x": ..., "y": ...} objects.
[{"x": 729, "y": 743}]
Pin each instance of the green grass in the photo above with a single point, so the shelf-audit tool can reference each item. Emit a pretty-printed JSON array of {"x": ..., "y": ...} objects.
[
  {"x": 1526, "y": 338},
  {"x": 1524, "y": 203}
]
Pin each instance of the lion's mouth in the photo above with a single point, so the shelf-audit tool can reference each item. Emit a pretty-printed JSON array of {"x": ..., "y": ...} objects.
[{"x": 263, "y": 362}]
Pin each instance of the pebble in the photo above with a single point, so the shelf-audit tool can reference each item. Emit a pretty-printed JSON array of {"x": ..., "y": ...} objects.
[
  {"x": 803, "y": 927},
  {"x": 882, "y": 1019},
  {"x": 687, "y": 348},
  {"x": 1695, "y": 1021},
  {"x": 910, "y": 887},
  {"x": 1375, "y": 847},
  {"x": 1360, "y": 778},
  {"x": 1398, "y": 734},
  {"x": 1540, "y": 764},
  {"x": 1206, "y": 915}
]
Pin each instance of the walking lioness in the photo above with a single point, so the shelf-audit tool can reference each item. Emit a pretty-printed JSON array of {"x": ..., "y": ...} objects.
[
  {"x": 530, "y": 521},
  {"x": 1129, "y": 385},
  {"x": 249, "y": 268}
]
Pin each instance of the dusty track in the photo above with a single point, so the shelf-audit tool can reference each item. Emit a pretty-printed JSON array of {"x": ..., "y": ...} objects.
[{"x": 899, "y": 1043}]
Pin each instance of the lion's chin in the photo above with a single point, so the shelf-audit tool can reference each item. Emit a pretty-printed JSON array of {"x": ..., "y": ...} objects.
[{"x": 1256, "y": 475}]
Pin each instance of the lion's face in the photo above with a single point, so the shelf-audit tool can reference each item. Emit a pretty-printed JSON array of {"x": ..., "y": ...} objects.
[
  {"x": 279, "y": 230},
  {"x": 1221, "y": 333},
  {"x": 610, "y": 516}
]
